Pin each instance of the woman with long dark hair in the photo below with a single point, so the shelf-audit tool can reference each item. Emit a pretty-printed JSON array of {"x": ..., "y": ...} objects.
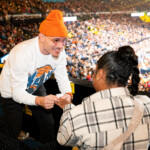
[{"x": 114, "y": 116}]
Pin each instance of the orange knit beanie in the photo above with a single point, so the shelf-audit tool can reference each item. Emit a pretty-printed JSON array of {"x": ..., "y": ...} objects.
[{"x": 53, "y": 25}]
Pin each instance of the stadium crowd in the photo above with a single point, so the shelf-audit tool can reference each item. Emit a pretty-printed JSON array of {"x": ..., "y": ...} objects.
[
  {"x": 88, "y": 39},
  {"x": 92, "y": 38},
  {"x": 71, "y": 6}
]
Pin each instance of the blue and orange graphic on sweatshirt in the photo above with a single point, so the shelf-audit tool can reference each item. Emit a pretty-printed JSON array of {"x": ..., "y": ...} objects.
[{"x": 38, "y": 78}]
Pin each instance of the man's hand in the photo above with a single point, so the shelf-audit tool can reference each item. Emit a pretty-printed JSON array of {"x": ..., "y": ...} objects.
[{"x": 47, "y": 101}]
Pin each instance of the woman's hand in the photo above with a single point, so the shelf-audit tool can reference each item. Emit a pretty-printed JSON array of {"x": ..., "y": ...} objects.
[{"x": 64, "y": 100}]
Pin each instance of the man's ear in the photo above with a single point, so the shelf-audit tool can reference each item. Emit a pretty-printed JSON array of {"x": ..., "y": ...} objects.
[{"x": 42, "y": 37}]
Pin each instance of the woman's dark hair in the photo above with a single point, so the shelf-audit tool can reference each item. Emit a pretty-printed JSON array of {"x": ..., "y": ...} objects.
[{"x": 119, "y": 66}]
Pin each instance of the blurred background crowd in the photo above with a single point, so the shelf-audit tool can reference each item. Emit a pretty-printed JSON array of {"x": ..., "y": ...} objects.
[
  {"x": 93, "y": 34},
  {"x": 70, "y": 6}
]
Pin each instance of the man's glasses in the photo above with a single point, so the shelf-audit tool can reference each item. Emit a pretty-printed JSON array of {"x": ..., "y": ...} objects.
[{"x": 57, "y": 40}]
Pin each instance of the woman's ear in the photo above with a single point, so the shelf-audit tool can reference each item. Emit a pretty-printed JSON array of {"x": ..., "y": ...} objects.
[{"x": 100, "y": 74}]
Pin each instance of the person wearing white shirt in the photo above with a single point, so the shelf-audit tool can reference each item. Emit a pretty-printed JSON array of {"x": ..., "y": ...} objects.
[{"x": 28, "y": 66}]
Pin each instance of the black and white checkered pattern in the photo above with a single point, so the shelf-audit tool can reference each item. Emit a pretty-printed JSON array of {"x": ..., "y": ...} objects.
[{"x": 101, "y": 118}]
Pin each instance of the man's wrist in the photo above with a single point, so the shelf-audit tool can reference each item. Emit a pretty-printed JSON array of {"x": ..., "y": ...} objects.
[
  {"x": 71, "y": 95},
  {"x": 37, "y": 100}
]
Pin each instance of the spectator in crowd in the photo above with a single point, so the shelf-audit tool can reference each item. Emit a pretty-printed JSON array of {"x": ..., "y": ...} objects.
[
  {"x": 106, "y": 114},
  {"x": 29, "y": 65}
]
